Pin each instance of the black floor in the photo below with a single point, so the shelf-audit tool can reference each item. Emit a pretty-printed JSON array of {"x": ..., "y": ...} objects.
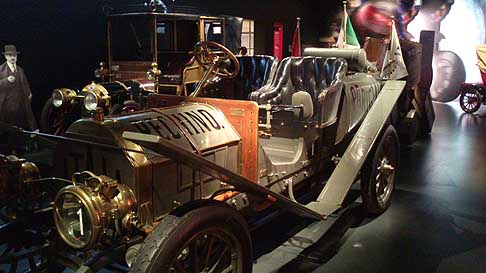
[{"x": 436, "y": 223}]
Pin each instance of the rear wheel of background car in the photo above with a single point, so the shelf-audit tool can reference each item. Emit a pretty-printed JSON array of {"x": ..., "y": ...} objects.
[
  {"x": 470, "y": 100},
  {"x": 127, "y": 107},
  {"x": 209, "y": 239},
  {"x": 378, "y": 174},
  {"x": 53, "y": 119}
]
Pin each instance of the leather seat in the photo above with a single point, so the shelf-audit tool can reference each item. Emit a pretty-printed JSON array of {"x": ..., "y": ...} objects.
[
  {"x": 255, "y": 72},
  {"x": 314, "y": 75}
]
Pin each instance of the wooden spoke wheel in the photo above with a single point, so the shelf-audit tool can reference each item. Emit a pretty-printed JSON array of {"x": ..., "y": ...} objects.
[
  {"x": 378, "y": 174},
  {"x": 470, "y": 100},
  {"x": 210, "y": 239},
  {"x": 54, "y": 120}
]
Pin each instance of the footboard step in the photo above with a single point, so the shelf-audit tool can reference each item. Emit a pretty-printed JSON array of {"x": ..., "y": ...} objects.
[{"x": 295, "y": 246}]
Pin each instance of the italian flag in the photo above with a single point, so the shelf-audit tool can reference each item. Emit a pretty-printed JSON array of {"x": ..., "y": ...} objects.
[{"x": 347, "y": 37}]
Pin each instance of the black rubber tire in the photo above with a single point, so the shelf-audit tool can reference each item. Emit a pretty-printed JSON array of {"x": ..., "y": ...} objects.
[
  {"x": 449, "y": 74},
  {"x": 462, "y": 102},
  {"x": 119, "y": 109},
  {"x": 388, "y": 145},
  {"x": 115, "y": 110},
  {"x": 130, "y": 106},
  {"x": 44, "y": 119},
  {"x": 171, "y": 236}
]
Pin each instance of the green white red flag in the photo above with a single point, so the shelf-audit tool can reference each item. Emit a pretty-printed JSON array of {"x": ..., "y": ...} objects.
[{"x": 347, "y": 37}]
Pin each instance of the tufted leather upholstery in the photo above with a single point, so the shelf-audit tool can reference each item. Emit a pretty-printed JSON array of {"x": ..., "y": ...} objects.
[
  {"x": 255, "y": 72},
  {"x": 314, "y": 75}
]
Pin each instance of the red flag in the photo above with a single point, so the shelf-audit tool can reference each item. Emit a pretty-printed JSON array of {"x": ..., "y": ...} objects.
[{"x": 296, "y": 47}]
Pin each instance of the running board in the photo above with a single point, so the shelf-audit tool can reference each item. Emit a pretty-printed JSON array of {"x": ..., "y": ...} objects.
[
  {"x": 199, "y": 163},
  {"x": 337, "y": 187}
]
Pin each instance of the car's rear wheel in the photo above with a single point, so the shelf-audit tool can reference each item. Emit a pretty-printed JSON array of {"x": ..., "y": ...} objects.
[
  {"x": 470, "y": 100},
  {"x": 378, "y": 174},
  {"x": 209, "y": 239},
  {"x": 53, "y": 120}
]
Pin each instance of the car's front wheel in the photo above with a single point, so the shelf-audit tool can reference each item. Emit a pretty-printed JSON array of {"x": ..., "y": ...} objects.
[
  {"x": 209, "y": 239},
  {"x": 53, "y": 120},
  {"x": 379, "y": 173}
]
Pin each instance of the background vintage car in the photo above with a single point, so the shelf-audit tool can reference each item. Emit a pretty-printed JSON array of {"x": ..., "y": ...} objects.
[{"x": 147, "y": 52}]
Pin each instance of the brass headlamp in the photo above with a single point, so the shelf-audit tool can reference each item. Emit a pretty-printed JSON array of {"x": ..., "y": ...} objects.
[
  {"x": 63, "y": 96},
  {"x": 154, "y": 73},
  {"x": 94, "y": 208},
  {"x": 18, "y": 177},
  {"x": 96, "y": 96}
]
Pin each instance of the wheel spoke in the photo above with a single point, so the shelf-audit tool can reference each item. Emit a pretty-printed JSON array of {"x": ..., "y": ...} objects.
[
  {"x": 470, "y": 101},
  {"x": 210, "y": 248},
  {"x": 195, "y": 255},
  {"x": 219, "y": 260},
  {"x": 208, "y": 252}
]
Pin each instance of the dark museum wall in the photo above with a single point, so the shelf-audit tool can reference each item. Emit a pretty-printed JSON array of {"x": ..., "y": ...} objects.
[{"x": 62, "y": 42}]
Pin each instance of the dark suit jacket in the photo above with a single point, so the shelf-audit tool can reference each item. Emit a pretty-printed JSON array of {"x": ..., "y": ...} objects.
[{"x": 15, "y": 106}]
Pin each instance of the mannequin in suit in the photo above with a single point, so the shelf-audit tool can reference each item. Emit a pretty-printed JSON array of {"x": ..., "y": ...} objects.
[{"x": 15, "y": 94}]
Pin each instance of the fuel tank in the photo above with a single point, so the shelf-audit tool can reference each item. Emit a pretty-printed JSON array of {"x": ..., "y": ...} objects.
[{"x": 158, "y": 182}]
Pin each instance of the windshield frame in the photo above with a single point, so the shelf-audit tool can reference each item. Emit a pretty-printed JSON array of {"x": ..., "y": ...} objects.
[{"x": 153, "y": 35}]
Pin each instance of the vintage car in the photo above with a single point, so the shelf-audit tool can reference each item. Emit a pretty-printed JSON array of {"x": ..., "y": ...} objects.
[
  {"x": 175, "y": 187},
  {"x": 474, "y": 94},
  {"x": 148, "y": 52}
]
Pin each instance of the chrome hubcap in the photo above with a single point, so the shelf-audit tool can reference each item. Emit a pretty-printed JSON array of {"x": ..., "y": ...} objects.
[{"x": 384, "y": 181}]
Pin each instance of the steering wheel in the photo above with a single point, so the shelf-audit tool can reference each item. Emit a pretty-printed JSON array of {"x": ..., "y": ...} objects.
[{"x": 211, "y": 55}]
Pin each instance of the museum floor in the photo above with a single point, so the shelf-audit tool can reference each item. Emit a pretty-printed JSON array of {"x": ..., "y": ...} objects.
[{"x": 436, "y": 223}]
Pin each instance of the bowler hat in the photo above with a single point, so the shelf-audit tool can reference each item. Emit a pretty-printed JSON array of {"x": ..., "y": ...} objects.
[{"x": 10, "y": 49}]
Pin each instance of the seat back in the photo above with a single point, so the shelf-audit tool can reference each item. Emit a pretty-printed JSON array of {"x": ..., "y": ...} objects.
[
  {"x": 255, "y": 72},
  {"x": 320, "y": 77}
]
